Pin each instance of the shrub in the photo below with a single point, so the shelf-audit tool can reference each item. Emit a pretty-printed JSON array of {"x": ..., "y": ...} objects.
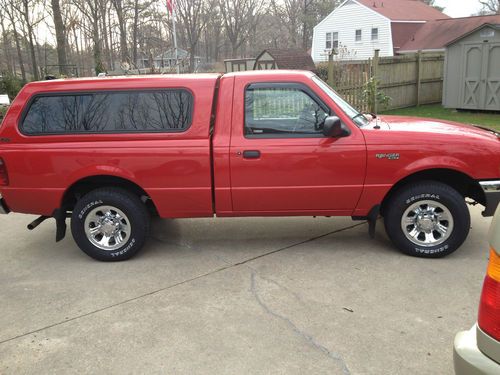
[
  {"x": 372, "y": 94},
  {"x": 322, "y": 71},
  {"x": 10, "y": 85}
]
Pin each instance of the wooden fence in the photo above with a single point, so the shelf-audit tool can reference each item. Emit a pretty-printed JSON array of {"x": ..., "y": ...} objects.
[{"x": 408, "y": 80}]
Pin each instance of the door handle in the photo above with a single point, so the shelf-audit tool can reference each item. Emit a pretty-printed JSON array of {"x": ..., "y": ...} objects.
[{"x": 251, "y": 154}]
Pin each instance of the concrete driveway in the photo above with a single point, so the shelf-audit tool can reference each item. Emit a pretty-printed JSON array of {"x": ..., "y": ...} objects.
[{"x": 235, "y": 296}]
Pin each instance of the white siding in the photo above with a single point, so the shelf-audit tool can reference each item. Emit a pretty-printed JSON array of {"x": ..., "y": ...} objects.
[{"x": 346, "y": 20}]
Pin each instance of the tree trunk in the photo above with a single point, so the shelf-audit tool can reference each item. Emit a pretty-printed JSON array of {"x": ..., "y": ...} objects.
[
  {"x": 135, "y": 32},
  {"x": 305, "y": 33},
  {"x": 99, "y": 66},
  {"x": 192, "y": 59},
  {"x": 123, "y": 31},
  {"x": 60, "y": 38},
  {"x": 31, "y": 44},
  {"x": 18, "y": 45},
  {"x": 6, "y": 48}
]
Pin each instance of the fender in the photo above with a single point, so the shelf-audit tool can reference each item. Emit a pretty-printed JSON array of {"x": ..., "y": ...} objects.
[
  {"x": 434, "y": 162},
  {"x": 374, "y": 192}
]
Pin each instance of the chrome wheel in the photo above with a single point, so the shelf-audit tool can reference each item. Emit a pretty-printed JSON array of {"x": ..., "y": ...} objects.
[
  {"x": 107, "y": 228},
  {"x": 427, "y": 223}
]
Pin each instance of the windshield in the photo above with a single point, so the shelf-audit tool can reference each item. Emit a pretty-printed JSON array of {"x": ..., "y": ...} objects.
[{"x": 358, "y": 118}]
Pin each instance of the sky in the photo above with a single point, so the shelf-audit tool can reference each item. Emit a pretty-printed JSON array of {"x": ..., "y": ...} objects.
[{"x": 460, "y": 8}]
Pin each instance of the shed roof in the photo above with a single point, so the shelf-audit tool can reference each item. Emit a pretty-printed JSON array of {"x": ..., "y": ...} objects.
[
  {"x": 290, "y": 59},
  {"x": 438, "y": 33},
  {"x": 404, "y": 10},
  {"x": 484, "y": 25}
]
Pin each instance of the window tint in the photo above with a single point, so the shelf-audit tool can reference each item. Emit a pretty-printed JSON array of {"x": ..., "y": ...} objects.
[
  {"x": 276, "y": 111},
  {"x": 110, "y": 112}
]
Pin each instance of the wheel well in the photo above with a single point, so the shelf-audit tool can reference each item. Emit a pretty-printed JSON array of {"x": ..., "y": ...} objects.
[
  {"x": 87, "y": 184},
  {"x": 465, "y": 185}
]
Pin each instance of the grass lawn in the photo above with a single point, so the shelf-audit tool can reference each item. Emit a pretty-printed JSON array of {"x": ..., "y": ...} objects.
[{"x": 489, "y": 120}]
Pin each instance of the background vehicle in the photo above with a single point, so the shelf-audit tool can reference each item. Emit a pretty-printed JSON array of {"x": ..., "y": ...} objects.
[
  {"x": 477, "y": 351},
  {"x": 4, "y": 100},
  {"x": 111, "y": 151}
]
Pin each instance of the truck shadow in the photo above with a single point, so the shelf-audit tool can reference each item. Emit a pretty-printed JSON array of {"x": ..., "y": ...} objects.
[{"x": 242, "y": 238}]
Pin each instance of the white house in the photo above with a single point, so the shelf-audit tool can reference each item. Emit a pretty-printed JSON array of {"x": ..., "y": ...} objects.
[{"x": 356, "y": 28}]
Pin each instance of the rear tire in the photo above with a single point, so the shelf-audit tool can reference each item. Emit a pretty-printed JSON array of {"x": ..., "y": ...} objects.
[
  {"x": 428, "y": 219},
  {"x": 110, "y": 224}
]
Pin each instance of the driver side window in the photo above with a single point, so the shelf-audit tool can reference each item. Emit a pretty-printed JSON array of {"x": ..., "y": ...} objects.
[{"x": 283, "y": 111}]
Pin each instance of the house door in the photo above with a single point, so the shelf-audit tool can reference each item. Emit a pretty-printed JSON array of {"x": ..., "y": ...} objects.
[
  {"x": 492, "y": 97},
  {"x": 473, "y": 89},
  {"x": 481, "y": 84}
]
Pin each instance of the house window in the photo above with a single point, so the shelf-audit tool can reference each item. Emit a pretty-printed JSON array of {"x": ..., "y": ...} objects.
[
  {"x": 328, "y": 44},
  {"x": 359, "y": 35},
  {"x": 335, "y": 37},
  {"x": 375, "y": 33},
  {"x": 332, "y": 40}
]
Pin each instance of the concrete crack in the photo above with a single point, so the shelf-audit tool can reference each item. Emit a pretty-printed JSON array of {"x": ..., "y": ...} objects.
[
  {"x": 156, "y": 291},
  {"x": 307, "y": 337}
]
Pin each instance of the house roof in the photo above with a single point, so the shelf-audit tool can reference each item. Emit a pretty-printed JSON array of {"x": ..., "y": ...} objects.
[
  {"x": 404, "y": 10},
  {"x": 402, "y": 32},
  {"x": 438, "y": 33},
  {"x": 290, "y": 59}
]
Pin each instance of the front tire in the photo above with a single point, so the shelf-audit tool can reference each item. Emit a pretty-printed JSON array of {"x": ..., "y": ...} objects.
[
  {"x": 110, "y": 224},
  {"x": 428, "y": 219}
]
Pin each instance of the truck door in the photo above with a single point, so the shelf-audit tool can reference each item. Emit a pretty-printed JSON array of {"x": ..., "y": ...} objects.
[{"x": 280, "y": 161}]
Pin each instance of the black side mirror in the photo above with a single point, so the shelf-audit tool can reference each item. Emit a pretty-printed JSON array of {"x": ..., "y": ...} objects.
[{"x": 333, "y": 127}]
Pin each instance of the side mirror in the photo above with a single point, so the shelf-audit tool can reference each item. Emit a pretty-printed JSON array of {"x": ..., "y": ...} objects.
[{"x": 333, "y": 127}]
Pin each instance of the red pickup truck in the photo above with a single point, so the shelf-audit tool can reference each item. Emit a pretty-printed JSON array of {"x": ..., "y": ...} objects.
[{"x": 111, "y": 152}]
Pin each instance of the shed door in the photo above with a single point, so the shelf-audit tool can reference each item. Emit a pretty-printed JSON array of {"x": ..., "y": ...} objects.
[
  {"x": 473, "y": 89},
  {"x": 492, "y": 98}
]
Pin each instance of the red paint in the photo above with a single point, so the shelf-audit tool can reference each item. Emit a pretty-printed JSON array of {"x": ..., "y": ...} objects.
[{"x": 293, "y": 176}]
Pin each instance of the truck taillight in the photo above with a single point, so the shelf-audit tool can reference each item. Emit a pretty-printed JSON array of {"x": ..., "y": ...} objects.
[
  {"x": 4, "y": 177},
  {"x": 489, "y": 307}
]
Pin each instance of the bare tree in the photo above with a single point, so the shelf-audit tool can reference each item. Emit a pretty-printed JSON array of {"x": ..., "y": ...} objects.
[
  {"x": 5, "y": 44},
  {"x": 491, "y": 6},
  {"x": 91, "y": 10},
  {"x": 25, "y": 10},
  {"x": 12, "y": 15},
  {"x": 192, "y": 15},
  {"x": 238, "y": 17},
  {"x": 122, "y": 26},
  {"x": 60, "y": 37}
]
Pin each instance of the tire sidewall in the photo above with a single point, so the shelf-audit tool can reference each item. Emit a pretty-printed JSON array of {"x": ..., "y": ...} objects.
[
  {"x": 123, "y": 202},
  {"x": 439, "y": 193}
]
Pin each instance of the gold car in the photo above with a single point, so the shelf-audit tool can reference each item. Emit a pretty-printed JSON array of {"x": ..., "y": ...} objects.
[{"x": 477, "y": 351}]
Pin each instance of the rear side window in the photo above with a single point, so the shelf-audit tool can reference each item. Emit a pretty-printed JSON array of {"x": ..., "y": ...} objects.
[{"x": 109, "y": 112}]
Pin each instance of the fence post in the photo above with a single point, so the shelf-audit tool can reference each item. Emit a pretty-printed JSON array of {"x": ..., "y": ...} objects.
[
  {"x": 419, "y": 76},
  {"x": 375, "y": 63},
  {"x": 330, "y": 68}
]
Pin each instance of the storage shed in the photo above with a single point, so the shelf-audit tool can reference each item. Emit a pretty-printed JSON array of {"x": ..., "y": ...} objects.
[
  {"x": 239, "y": 65},
  {"x": 284, "y": 59},
  {"x": 472, "y": 70}
]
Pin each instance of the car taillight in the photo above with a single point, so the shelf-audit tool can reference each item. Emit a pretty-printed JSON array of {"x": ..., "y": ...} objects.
[
  {"x": 489, "y": 307},
  {"x": 4, "y": 177}
]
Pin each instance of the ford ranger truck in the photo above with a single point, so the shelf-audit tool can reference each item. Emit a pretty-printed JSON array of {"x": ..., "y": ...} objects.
[{"x": 109, "y": 153}]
